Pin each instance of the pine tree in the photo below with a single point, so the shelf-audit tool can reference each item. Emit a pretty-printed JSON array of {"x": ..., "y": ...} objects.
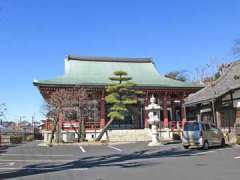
[{"x": 121, "y": 95}]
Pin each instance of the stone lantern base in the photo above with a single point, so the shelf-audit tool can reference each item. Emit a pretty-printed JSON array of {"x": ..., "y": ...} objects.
[
  {"x": 155, "y": 137},
  {"x": 154, "y": 144}
]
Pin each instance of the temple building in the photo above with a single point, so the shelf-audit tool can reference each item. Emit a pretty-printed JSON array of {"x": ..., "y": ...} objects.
[
  {"x": 93, "y": 73},
  {"x": 219, "y": 102}
]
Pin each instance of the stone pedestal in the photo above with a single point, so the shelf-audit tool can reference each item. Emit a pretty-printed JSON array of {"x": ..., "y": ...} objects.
[{"x": 155, "y": 137}]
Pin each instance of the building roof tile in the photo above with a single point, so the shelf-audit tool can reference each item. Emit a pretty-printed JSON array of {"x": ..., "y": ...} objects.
[
  {"x": 230, "y": 80},
  {"x": 82, "y": 70}
]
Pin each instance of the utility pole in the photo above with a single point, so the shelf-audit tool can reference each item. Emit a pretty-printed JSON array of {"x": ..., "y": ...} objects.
[
  {"x": 33, "y": 126},
  {"x": 3, "y": 110},
  {"x": 22, "y": 130}
]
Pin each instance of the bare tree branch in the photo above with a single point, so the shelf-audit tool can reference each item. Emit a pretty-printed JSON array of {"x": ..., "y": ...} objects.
[{"x": 62, "y": 101}]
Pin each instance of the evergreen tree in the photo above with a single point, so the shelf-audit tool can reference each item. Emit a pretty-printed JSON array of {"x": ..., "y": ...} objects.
[{"x": 120, "y": 95}]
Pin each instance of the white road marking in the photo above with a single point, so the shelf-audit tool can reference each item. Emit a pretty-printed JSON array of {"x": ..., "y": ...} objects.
[
  {"x": 42, "y": 168},
  {"x": 79, "y": 169},
  {"x": 201, "y": 153},
  {"x": 237, "y": 157},
  {"x": 38, "y": 155},
  {"x": 12, "y": 164},
  {"x": 35, "y": 160},
  {"x": 7, "y": 164},
  {"x": 114, "y": 148},
  {"x": 82, "y": 149}
]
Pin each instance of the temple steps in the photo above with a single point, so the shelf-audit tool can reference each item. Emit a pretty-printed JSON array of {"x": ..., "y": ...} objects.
[{"x": 129, "y": 135}]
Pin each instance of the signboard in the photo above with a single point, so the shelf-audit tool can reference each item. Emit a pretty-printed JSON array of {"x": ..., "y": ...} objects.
[{"x": 205, "y": 110}]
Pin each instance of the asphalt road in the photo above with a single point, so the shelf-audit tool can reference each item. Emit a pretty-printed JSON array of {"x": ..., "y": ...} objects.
[{"x": 135, "y": 161}]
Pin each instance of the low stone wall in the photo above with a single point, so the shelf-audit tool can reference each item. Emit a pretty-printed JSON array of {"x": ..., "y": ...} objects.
[
  {"x": 71, "y": 136},
  {"x": 5, "y": 140},
  {"x": 114, "y": 135},
  {"x": 231, "y": 137},
  {"x": 123, "y": 135}
]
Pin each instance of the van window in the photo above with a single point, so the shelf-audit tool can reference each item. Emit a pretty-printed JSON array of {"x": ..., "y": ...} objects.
[
  {"x": 213, "y": 126},
  {"x": 203, "y": 127},
  {"x": 191, "y": 126},
  {"x": 207, "y": 127}
]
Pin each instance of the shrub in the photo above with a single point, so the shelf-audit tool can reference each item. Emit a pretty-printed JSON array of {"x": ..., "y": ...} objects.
[
  {"x": 29, "y": 138},
  {"x": 176, "y": 136},
  {"x": 16, "y": 139},
  {"x": 238, "y": 140},
  {"x": 237, "y": 129}
]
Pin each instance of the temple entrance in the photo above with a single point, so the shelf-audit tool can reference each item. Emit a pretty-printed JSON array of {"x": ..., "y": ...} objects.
[
  {"x": 173, "y": 115},
  {"x": 133, "y": 119}
]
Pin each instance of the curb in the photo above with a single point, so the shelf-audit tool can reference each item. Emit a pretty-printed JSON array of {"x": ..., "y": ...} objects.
[{"x": 84, "y": 144}]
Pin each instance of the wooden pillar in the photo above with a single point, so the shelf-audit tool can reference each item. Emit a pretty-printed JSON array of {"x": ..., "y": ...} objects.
[
  {"x": 183, "y": 110},
  {"x": 165, "y": 111},
  {"x": 214, "y": 112},
  {"x": 173, "y": 106},
  {"x": 46, "y": 125},
  {"x": 218, "y": 118},
  {"x": 233, "y": 112},
  {"x": 102, "y": 109},
  {"x": 146, "y": 100}
]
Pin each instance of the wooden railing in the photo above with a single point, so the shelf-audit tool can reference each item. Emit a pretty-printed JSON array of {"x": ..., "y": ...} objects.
[
  {"x": 175, "y": 124},
  {"x": 70, "y": 125},
  {"x": 172, "y": 125},
  {"x": 76, "y": 124},
  {"x": 92, "y": 125}
]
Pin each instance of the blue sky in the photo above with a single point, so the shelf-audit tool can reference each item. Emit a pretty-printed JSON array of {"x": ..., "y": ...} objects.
[{"x": 36, "y": 35}]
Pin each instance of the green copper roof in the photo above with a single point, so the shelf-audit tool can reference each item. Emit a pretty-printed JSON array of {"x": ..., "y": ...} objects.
[{"x": 97, "y": 70}]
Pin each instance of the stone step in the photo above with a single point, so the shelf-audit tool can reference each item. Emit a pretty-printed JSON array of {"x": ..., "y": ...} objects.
[{"x": 129, "y": 135}]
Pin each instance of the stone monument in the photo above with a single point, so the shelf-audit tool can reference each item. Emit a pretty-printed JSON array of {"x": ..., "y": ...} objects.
[{"x": 153, "y": 110}]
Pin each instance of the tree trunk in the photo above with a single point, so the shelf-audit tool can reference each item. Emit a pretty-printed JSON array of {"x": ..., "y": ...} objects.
[
  {"x": 79, "y": 131},
  {"x": 78, "y": 139},
  {"x": 104, "y": 130},
  {"x": 53, "y": 132},
  {"x": 82, "y": 137},
  {"x": 58, "y": 134}
]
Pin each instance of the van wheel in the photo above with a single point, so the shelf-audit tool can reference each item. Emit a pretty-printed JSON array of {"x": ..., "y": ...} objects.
[
  {"x": 205, "y": 145},
  {"x": 223, "y": 142},
  {"x": 186, "y": 147}
]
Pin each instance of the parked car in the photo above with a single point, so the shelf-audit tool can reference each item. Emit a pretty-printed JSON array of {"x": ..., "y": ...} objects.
[{"x": 203, "y": 135}]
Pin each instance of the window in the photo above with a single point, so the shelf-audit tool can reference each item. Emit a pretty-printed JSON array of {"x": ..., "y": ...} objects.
[
  {"x": 191, "y": 126},
  {"x": 213, "y": 126}
]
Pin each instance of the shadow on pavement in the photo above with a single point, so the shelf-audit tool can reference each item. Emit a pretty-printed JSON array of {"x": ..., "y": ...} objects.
[
  {"x": 131, "y": 160},
  {"x": 3, "y": 148}
]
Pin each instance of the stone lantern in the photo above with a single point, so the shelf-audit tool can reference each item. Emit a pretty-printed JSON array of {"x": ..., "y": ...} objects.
[{"x": 153, "y": 110}]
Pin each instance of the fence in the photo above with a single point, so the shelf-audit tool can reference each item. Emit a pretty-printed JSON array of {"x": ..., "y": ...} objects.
[{"x": 70, "y": 125}]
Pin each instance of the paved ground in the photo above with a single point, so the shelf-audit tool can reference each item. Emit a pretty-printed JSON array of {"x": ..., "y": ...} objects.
[{"x": 133, "y": 161}]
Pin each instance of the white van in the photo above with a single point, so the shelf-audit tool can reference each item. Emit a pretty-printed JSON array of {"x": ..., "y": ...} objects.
[{"x": 203, "y": 135}]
